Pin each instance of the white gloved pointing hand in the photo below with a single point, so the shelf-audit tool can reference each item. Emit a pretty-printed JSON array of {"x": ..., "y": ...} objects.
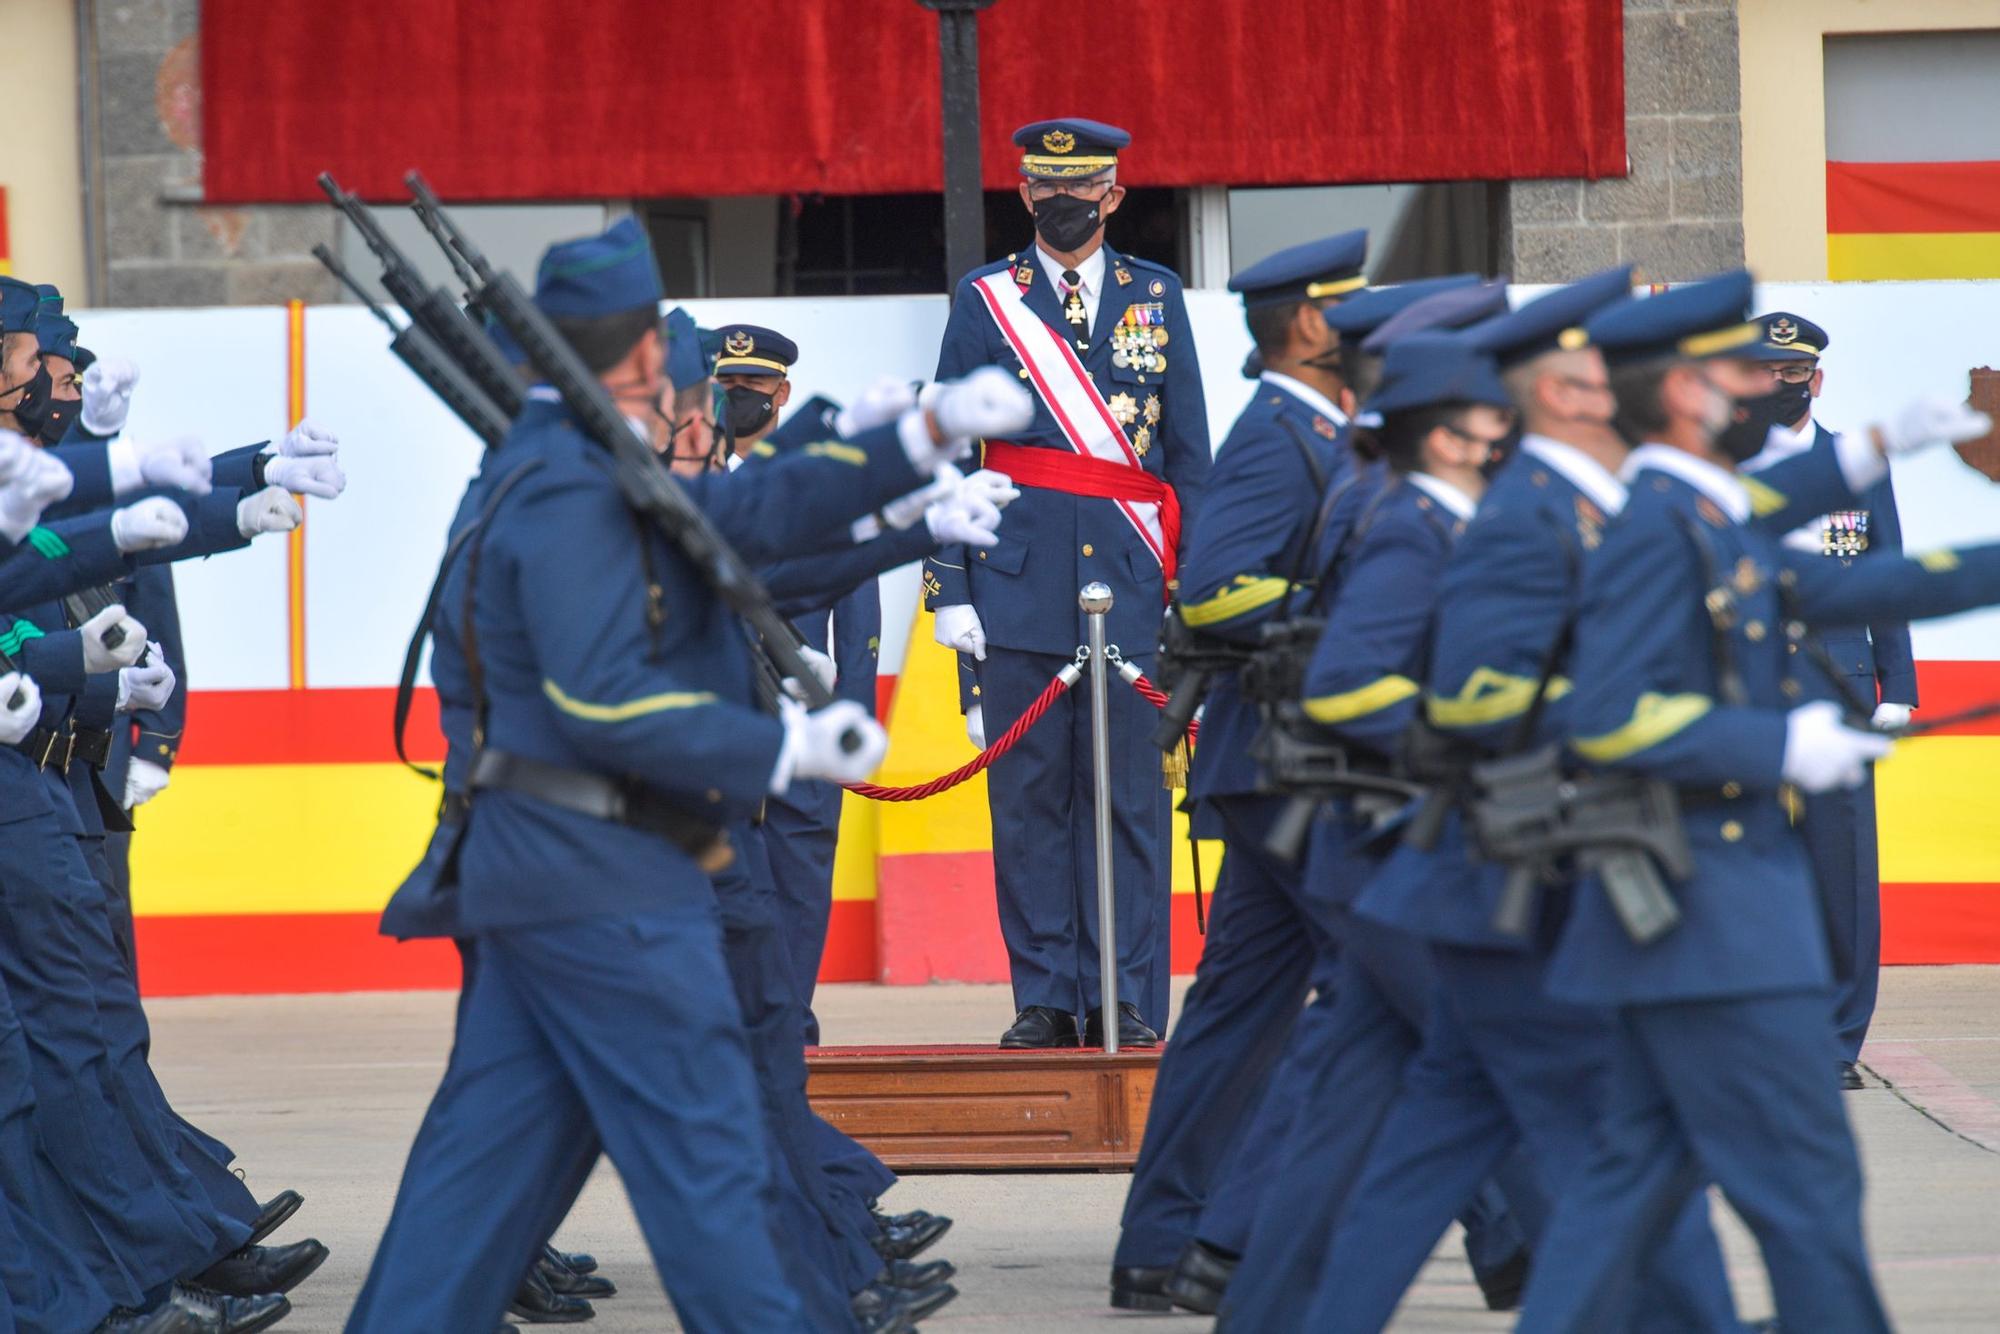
[
  {"x": 98, "y": 657},
  {"x": 812, "y": 747},
  {"x": 144, "y": 780},
  {"x": 958, "y": 628},
  {"x": 107, "y": 395},
  {"x": 16, "y": 721},
  {"x": 268, "y": 511},
  {"x": 1823, "y": 753},
  {"x": 148, "y": 525}
]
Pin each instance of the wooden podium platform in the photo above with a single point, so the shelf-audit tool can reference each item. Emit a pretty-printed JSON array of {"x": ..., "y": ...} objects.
[{"x": 982, "y": 1109}]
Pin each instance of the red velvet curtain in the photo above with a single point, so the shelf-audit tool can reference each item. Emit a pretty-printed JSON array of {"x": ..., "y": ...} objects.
[{"x": 554, "y": 99}]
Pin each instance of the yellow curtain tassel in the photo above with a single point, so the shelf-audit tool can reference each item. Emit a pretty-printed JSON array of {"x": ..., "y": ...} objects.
[{"x": 1174, "y": 766}]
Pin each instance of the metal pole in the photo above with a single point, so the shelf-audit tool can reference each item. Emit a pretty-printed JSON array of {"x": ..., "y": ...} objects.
[
  {"x": 958, "y": 84},
  {"x": 1095, "y": 599}
]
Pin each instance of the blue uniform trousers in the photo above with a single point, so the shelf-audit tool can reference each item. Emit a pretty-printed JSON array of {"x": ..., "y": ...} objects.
[
  {"x": 1041, "y": 796},
  {"x": 1249, "y": 990},
  {"x": 1839, "y": 829},
  {"x": 1501, "y": 1065},
  {"x": 118, "y": 861},
  {"x": 1740, "y": 1091},
  {"x": 146, "y": 1220},
  {"x": 850, "y": 1166},
  {"x": 615, "y": 1034},
  {"x": 1382, "y": 987},
  {"x": 829, "y": 1237},
  {"x": 801, "y": 832}
]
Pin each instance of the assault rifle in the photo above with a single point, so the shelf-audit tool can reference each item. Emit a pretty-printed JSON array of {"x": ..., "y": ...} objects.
[{"x": 1189, "y": 662}]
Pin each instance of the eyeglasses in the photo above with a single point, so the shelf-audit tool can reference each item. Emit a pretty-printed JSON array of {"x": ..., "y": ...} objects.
[
  {"x": 1042, "y": 191},
  {"x": 1474, "y": 438},
  {"x": 1796, "y": 372}
]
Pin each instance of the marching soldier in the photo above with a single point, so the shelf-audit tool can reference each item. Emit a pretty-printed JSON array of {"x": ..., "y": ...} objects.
[
  {"x": 1117, "y": 453},
  {"x": 1876, "y": 662}
]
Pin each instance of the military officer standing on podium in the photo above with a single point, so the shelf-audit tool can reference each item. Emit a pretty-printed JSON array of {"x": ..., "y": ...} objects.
[
  {"x": 1876, "y": 663},
  {"x": 1117, "y": 454}
]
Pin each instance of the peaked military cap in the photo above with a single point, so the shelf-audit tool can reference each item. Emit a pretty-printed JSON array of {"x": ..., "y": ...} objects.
[
  {"x": 748, "y": 349},
  {"x": 1453, "y": 308},
  {"x": 1330, "y": 266},
  {"x": 19, "y": 305},
  {"x": 598, "y": 275},
  {"x": 1552, "y": 320},
  {"x": 1063, "y": 150},
  {"x": 1704, "y": 319},
  {"x": 1789, "y": 337},
  {"x": 1428, "y": 369},
  {"x": 1358, "y": 316}
]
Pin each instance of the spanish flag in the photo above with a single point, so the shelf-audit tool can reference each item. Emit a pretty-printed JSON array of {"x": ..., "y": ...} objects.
[{"x": 1904, "y": 220}]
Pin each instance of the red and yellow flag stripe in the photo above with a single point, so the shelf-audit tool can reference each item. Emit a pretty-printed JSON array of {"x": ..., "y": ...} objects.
[{"x": 1911, "y": 220}]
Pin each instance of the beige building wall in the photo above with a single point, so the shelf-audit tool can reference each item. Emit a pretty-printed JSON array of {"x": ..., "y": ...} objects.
[
  {"x": 1784, "y": 114},
  {"x": 38, "y": 165}
]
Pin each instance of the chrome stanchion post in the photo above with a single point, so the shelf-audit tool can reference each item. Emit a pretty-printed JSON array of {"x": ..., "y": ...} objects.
[{"x": 1095, "y": 599}]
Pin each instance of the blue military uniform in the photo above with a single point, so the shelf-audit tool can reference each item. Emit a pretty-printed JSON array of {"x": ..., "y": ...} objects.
[
  {"x": 1501, "y": 1064},
  {"x": 588, "y": 930},
  {"x": 1391, "y": 536},
  {"x": 1720, "y": 1068},
  {"x": 1250, "y": 548},
  {"x": 1875, "y": 663},
  {"x": 1139, "y": 354}
]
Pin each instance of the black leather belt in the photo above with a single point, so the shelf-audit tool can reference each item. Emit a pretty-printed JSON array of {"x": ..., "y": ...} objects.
[
  {"x": 603, "y": 798},
  {"x": 90, "y": 745},
  {"x": 48, "y": 747}
]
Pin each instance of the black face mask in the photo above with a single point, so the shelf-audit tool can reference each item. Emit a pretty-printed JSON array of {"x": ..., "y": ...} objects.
[
  {"x": 62, "y": 411},
  {"x": 1506, "y": 447},
  {"x": 1743, "y": 439},
  {"x": 747, "y": 410},
  {"x": 1067, "y": 222},
  {"x": 32, "y": 407},
  {"x": 1794, "y": 401}
]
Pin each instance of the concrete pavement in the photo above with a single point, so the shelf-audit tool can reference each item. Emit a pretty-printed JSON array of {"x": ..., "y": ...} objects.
[{"x": 323, "y": 1093}]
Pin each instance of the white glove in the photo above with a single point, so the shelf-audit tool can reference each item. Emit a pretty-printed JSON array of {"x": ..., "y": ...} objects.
[
  {"x": 958, "y": 628},
  {"x": 148, "y": 525},
  {"x": 1930, "y": 421},
  {"x": 307, "y": 440},
  {"x": 146, "y": 685},
  {"x": 180, "y": 463},
  {"x": 966, "y": 516},
  {"x": 39, "y": 481},
  {"x": 17, "y": 722},
  {"x": 318, "y": 475},
  {"x": 144, "y": 780},
  {"x": 880, "y": 403},
  {"x": 107, "y": 395},
  {"x": 15, "y": 452},
  {"x": 98, "y": 657},
  {"x": 812, "y": 744},
  {"x": 975, "y": 726},
  {"x": 1889, "y": 717},
  {"x": 903, "y": 511},
  {"x": 996, "y": 488},
  {"x": 822, "y": 667},
  {"x": 268, "y": 511},
  {"x": 1823, "y": 753},
  {"x": 985, "y": 403}
]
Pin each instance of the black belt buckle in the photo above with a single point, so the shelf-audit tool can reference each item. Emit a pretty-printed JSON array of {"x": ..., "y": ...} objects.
[
  {"x": 91, "y": 745},
  {"x": 44, "y": 744}
]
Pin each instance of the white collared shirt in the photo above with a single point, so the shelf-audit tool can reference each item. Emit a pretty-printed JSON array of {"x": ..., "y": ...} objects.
[
  {"x": 1445, "y": 494},
  {"x": 1305, "y": 394},
  {"x": 1583, "y": 472},
  {"x": 1090, "y": 280},
  {"x": 1718, "y": 484}
]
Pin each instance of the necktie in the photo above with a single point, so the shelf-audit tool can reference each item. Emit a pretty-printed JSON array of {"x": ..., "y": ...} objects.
[{"x": 1073, "y": 298}]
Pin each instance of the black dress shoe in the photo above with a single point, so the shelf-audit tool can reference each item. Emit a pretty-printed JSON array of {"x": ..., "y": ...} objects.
[
  {"x": 277, "y": 1211},
  {"x": 1850, "y": 1076},
  {"x": 1132, "y": 1030},
  {"x": 902, "y": 1243},
  {"x": 250, "y": 1270},
  {"x": 1502, "y": 1287},
  {"x": 570, "y": 1283},
  {"x": 882, "y": 1310},
  {"x": 220, "y": 1313},
  {"x": 539, "y": 1304},
  {"x": 1041, "y": 1026},
  {"x": 911, "y": 1276},
  {"x": 166, "y": 1318},
  {"x": 1141, "y": 1288},
  {"x": 914, "y": 1218},
  {"x": 924, "y": 1303},
  {"x": 1200, "y": 1278},
  {"x": 579, "y": 1262}
]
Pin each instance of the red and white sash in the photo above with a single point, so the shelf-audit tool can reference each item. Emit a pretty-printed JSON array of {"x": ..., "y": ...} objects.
[{"x": 1073, "y": 400}]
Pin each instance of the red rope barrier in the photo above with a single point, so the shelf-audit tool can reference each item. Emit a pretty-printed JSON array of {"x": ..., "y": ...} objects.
[
  {"x": 1158, "y": 699},
  {"x": 1064, "y": 679}
]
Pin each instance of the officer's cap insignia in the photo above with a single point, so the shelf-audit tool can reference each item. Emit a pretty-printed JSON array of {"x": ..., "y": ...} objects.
[
  {"x": 1158, "y": 288},
  {"x": 1569, "y": 340},
  {"x": 1122, "y": 274},
  {"x": 1059, "y": 141},
  {"x": 1324, "y": 427},
  {"x": 739, "y": 344},
  {"x": 1783, "y": 331},
  {"x": 1710, "y": 512},
  {"x": 1747, "y": 578}
]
